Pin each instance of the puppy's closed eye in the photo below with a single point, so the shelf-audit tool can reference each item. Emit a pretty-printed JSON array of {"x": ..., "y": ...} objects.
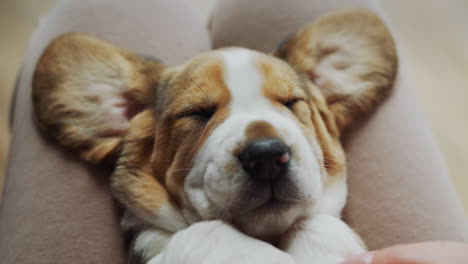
[
  {"x": 198, "y": 114},
  {"x": 292, "y": 102}
]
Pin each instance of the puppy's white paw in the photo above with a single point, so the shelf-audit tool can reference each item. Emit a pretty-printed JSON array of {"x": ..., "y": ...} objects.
[
  {"x": 323, "y": 239},
  {"x": 216, "y": 242}
]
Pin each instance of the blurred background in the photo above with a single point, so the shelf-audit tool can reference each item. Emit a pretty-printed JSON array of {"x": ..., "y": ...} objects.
[{"x": 433, "y": 40}]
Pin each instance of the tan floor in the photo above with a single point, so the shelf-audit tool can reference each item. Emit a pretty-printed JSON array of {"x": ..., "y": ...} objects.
[
  {"x": 433, "y": 40},
  {"x": 17, "y": 20}
]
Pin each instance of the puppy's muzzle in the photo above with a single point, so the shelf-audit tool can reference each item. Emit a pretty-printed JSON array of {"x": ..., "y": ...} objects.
[{"x": 265, "y": 160}]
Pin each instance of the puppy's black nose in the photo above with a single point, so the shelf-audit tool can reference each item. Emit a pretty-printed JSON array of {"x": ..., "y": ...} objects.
[{"x": 265, "y": 159}]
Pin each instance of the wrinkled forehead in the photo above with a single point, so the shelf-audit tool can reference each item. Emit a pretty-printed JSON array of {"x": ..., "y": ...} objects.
[
  {"x": 236, "y": 77},
  {"x": 254, "y": 78}
]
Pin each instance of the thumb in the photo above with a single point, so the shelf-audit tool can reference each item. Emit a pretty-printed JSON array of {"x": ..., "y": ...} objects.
[
  {"x": 366, "y": 258},
  {"x": 428, "y": 252}
]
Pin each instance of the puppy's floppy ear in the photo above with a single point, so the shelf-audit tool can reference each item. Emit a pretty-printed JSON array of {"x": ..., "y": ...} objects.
[
  {"x": 85, "y": 91},
  {"x": 350, "y": 56}
]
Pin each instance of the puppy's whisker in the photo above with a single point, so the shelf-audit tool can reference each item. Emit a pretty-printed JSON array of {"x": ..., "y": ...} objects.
[{"x": 345, "y": 162}]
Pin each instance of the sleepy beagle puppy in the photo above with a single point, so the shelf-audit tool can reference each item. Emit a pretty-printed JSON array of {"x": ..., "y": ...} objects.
[{"x": 232, "y": 157}]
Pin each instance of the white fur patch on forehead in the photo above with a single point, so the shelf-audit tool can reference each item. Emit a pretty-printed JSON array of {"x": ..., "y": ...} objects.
[{"x": 243, "y": 79}]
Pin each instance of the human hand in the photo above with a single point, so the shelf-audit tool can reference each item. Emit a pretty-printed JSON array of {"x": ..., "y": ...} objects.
[{"x": 420, "y": 253}]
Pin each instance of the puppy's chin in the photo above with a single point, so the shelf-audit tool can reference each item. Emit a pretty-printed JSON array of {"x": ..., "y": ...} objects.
[
  {"x": 271, "y": 220},
  {"x": 267, "y": 212}
]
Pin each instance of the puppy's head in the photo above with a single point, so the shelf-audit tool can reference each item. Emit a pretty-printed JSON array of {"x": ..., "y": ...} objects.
[{"x": 233, "y": 134}]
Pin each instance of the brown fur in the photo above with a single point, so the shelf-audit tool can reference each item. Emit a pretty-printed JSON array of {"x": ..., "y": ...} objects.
[
  {"x": 133, "y": 182},
  {"x": 64, "y": 104},
  {"x": 260, "y": 129},
  {"x": 368, "y": 61}
]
